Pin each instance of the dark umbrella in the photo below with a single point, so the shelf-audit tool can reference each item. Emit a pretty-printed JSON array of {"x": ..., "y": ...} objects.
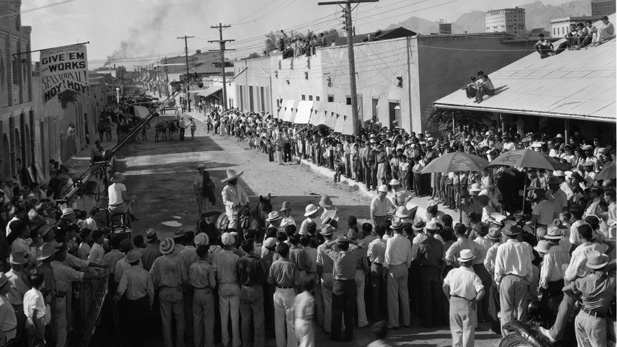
[{"x": 607, "y": 173}]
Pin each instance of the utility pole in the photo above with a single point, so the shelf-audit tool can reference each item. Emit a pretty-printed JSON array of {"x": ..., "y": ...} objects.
[
  {"x": 352, "y": 62},
  {"x": 222, "y": 42},
  {"x": 186, "y": 55}
]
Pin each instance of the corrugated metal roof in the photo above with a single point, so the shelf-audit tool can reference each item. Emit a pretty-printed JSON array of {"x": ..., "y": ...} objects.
[{"x": 574, "y": 84}]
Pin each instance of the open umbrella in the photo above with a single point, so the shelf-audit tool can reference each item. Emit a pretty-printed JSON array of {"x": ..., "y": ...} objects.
[
  {"x": 607, "y": 173},
  {"x": 457, "y": 162}
]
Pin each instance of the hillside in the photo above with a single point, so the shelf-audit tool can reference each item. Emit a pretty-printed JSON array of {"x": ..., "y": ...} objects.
[{"x": 537, "y": 15}]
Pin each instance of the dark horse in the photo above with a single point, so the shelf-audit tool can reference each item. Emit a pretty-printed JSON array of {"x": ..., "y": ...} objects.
[{"x": 248, "y": 219}]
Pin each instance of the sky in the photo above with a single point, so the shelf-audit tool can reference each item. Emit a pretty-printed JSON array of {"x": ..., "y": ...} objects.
[{"x": 139, "y": 32}]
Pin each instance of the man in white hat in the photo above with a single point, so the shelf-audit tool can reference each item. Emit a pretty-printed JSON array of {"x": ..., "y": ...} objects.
[
  {"x": 397, "y": 260},
  {"x": 287, "y": 219},
  {"x": 595, "y": 291},
  {"x": 119, "y": 200},
  {"x": 381, "y": 207},
  {"x": 152, "y": 251},
  {"x": 397, "y": 195},
  {"x": 169, "y": 277},
  {"x": 513, "y": 273},
  {"x": 225, "y": 263},
  {"x": 234, "y": 197},
  {"x": 310, "y": 212},
  {"x": 464, "y": 289},
  {"x": 274, "y": 221}
]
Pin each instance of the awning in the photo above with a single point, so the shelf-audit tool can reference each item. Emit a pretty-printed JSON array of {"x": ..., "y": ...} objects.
[
  {"x": 343, "y": 123},
  {"x": 208, "y": 92},
  {"x": 196, "y": 91},
  {"x": 571, "y": 85},
  {"x": 141, "y": 111},
  {"x": 289, "y": 114},
  {"x": 303, "y": 115}
]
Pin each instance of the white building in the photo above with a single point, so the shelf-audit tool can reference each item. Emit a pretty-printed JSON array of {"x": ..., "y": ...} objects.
[
  {"x": 561, "y": 26},
  {"x": 509, "y": 20}
]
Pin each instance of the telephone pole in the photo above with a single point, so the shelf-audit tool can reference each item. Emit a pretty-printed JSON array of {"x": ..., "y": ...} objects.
[
  {"x": 222, "y": 42},
  {"x": 350, "y": 54},
  {"x": 186, "y": 55}
]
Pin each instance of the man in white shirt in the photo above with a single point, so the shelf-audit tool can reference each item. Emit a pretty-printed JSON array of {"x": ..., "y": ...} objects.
[
  {"x": 233, "y": 197},
  {"x": 397, "y": 260},
  {"x": 513, "y": 273},
  {"x": 34, "y": 309},
  {"x": 380, "y": 206},
  {"x": 376, "y": 254},
  {"x": 119, "y": 201},
  {"x": 287, "y": 218}
]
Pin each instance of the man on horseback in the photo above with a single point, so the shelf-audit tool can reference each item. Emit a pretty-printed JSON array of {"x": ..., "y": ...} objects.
[{"x": 234, "y": 197}]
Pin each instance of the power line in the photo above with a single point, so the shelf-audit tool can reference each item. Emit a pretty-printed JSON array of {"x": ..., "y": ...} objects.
[
  {"x": 222, "y": 42},
  {"x": 186, "y": 55}
]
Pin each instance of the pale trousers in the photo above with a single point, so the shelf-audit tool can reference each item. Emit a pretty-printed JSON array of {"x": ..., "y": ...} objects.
[
  {"x": 398, "y": 295},
  {"x": 513, "y": 300},
  {"x": 327, "y": 281},
  {"x": 590, "y": 331},
  {"x": 229, "y": 306},
  {"x": 381, "y": 173},
  {"x": 284, "y": 317},
  {"x": 462, "y": 322},
  {"x": 203, "y": 318},
  {"x": 61, "y": 322},
  {"x": 202, "y": 204},
  {"x": 305, "y": 332},
  {"x": 360, "y": 304},
  {"x": 172, "y": 303}
]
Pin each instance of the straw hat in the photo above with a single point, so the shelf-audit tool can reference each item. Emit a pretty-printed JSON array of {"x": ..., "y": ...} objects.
[
  {"x": 325, "y": 201},
  {"x": 494, "y": 233},
  {"x": 418, "y": 224},
  {"x": 285, "y": 206},
  {"x": 273, "y": 216},
  {"x": 466, "y": 255},
  {"x": 596, "y": 260},
  {"x": 133, "y": 255},
  {"x": 310, "y": 209},
  {"x": 231, "y": 174},
  {"x": 270, "y": 241},
  {"x": 201, "y": 239},
  {"x": 396, "y": 224},
  {"x": 382, "y": 189},
  {"x": 151, "y": 234},
  {"x": 512, "y": 230},
  {"x": 228, "y": 239},
  {"x": 543, "y": 246},
  {"x": 395, "y": 182},
  {"x": 168, "y": 245},
  {"x": 402, "y": 212},
  {"x": 47, "y": 250}
]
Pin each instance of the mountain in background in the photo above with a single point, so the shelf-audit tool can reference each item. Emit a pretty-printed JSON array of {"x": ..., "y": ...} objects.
[{"x": 537, "y": 15}]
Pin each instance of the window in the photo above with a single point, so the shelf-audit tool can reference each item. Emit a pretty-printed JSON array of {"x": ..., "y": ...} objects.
[
  {"x": 15, "y": 71},
  {"x": 330, "y": 98},
  {"x": 310, "y": 98},
  {"x": 303, "y": 97},
  {"x": 348, "y": 102},
  {"x": 316, "y": 98}
]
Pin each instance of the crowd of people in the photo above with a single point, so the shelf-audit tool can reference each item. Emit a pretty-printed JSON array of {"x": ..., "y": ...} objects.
[
  {"x": 298, "y": 45},
  {"x": 322, "y": 271},
  {"x": 580, "y": 35}
]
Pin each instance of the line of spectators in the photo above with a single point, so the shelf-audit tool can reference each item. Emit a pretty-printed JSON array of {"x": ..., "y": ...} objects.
[
  {"x": 298, "y": 44},
  {"x": 581, "y": 35}
]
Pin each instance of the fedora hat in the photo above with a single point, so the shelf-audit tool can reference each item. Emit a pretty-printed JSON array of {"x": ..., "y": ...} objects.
[
  {"x": 272, "y": 216},
  {"x": 201, "y": 239},
  {"x": 178, "y": 234},
  {"x": 47, "y": 250},
  {"x": 231, "y": 174},
  {"x": 402, "y": 212},
  {"x": 418, "y": 224},
  {"x": 168, "y": 245},
  {"x": 133, "y": 255},
  {"x": 151, "y": 234},
  {"x": 397, "y": 223},
  {"x": 327, "y": 230},
  {"x": 228, "y": 239},
  {"x": 543, "y": 246},
  {"x": 475, "y": 188},
  {"x": 553, "y": 233},
  {"x": 117, "y": 177},
  {"x": 494, "y": 233},
  {"x": 465, "y": 256},
  {"x": 395, "y": 182},
  {"x": 596, "y": 260},
  {"x": 325, "y": 201},
  {"x": 512, "y": 230},
  {"x": 18, "y": 258},
  {"x": 285, "y": 206},
  {"x": 310, "y": 209},
  {"x": 3, "y": 279}
]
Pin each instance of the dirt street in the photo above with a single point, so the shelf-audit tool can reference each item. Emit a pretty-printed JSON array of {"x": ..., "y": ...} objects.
[{"x": 161, "y": 176}]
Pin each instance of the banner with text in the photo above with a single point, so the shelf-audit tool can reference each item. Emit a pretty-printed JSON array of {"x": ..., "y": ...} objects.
[{"x": 64, "y": 68}]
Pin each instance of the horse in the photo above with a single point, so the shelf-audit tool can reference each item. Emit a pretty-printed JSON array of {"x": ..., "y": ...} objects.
[
  {"x": 160, "y": 131},
  {"x": 172, "y": 127},
  {"x": 254, "y": 219}
]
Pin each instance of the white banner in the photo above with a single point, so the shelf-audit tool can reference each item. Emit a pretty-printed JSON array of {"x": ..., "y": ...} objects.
[{"x": 64, "y": 68}]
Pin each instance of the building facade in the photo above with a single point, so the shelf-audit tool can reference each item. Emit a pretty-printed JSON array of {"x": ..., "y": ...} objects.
[
  {"x": 509, "y": 20},
  {"x": 602, "y": 7},
  {"x": 397, "y": 79},
  {"x": 561, "y": 26}
]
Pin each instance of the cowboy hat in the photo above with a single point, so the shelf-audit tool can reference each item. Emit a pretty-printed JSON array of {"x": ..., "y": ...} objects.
[
  {"x": 494, "y": 233},
  {"x": 231, "y": 175},
  {"x": 310, "y": 210},
  {"x": 325, "y": 201},
  {"x": 201, "y": 239},
  {"x": 228, "y": 239},
  {"x": 168, "y": 245},
  {"x": 117, "y": 177},
  {"x": 18, "y": 258},
  {"x": 47, "y": 250},
  {"x": 596, "y": 260},
  {"x": 395, "y": 182},
  {"x": 133, "y": 256},
  {"x": 396, "y": 224},
  {"x": 151, "y": 234},
  {"x": 273, "y": 216},
  {"x": 285, "y": 206},
  {"x": 475, "y": 188},
  {"x": 465, "y": 256},
  {"x": 418, "y": 224},
  {"x": 543, "y": 246}
]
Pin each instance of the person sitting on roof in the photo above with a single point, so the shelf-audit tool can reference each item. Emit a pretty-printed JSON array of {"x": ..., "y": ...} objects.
[
  {"x": 544, "y": 47},
  {"x": 571, "y": 39},
  {"x": 605, "y": 32},
  {"x": 485, "y": 87}
]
